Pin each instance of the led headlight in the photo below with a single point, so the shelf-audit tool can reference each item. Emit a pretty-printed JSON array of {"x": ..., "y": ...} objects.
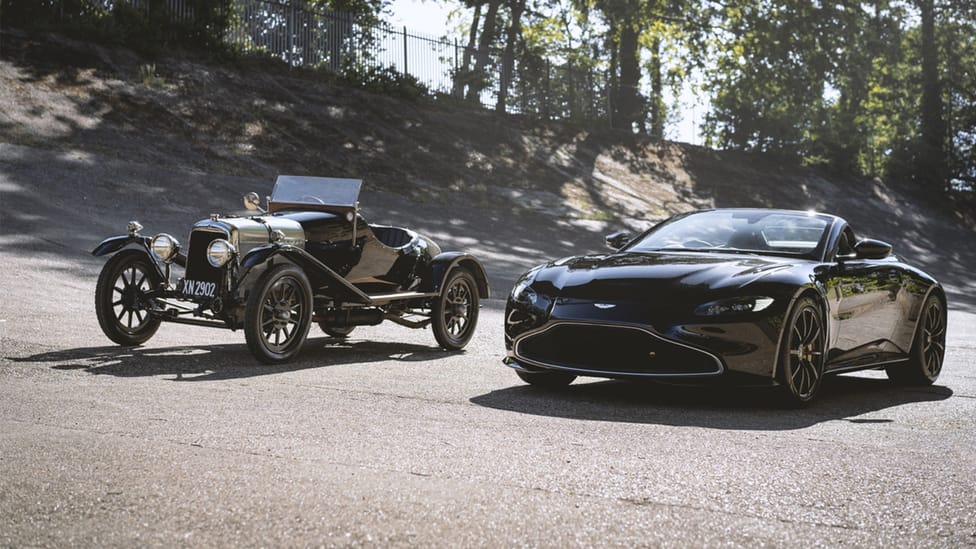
[
  {"x": 734, "y": 306},
  {"x": 219, "y": 252},
  {"x": 523, "y": 292},
  {"x": 165, "y": 246}
]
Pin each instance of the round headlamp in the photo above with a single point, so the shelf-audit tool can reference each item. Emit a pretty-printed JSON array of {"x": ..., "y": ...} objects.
[
  {"x": 219, "y": 252},
  {"x": 164, "y": 247}
]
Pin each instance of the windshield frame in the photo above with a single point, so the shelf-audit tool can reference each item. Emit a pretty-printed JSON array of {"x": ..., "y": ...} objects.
[
  {"x": 816, "y": 254},
  {"x": 330, "y": 194}
]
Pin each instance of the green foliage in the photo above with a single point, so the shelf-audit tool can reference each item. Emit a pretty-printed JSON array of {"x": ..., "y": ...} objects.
[{"x": 384, "y": 80}]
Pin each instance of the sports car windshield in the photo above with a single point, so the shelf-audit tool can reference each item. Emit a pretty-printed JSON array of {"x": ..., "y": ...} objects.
[{"x": 739, "y": 231}]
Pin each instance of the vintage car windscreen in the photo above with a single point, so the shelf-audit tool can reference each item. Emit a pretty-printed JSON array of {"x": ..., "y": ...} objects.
[
  {"x": 759, "y": 231},
  {"x": 316, "y": 191}
]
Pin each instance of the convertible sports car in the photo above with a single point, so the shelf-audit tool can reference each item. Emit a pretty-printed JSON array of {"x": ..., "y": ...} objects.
[
  {"x": 751, "y": 295},
  {"x": 310, "y": 257}
]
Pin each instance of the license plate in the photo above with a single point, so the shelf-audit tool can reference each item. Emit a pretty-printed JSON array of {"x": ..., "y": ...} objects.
[{"x": 199, "y": 288}]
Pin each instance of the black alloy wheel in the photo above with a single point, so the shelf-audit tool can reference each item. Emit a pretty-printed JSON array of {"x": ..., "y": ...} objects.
[
  {"x": 455, "y": 311},
  {"x": 801, "y": 360},
  {"x": 278, "y": 314},
  {"x": 546, "y": 380},
  {"x": 120, "y": 298},
  {"x": 928, "y": 350}
]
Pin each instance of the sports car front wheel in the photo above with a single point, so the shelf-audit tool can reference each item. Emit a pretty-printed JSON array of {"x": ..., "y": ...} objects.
[
  {"x": 546, "y": 380},
  {"x": 278, "y": 315},
  {"x": 928, "y": 350},
  {"x": 120, "y": 300},
  {"x": 801, "y": 361},
  {"x": 455, "y": 312}
]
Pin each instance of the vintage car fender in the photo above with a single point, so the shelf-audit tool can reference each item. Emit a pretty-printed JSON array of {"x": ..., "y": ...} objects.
[
  {"x": 251, "y": 266},
  {"x": 442, "y": 264},
  {"x": 139, "y": 243},
  {"x": 143, "y": 243}
]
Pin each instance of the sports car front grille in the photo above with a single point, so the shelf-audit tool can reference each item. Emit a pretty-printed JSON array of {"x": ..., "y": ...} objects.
[
  {"x": 197, "y": 266},
  {"x": 613, "y": 349}
]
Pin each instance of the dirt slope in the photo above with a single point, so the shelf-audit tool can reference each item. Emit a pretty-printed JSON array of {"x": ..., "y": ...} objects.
[{"x": 90, "y": 136}]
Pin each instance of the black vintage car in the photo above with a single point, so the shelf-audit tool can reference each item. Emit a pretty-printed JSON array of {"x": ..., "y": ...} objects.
[
  {"x": 751, "y": 295},
  {"x": 310, "y": 257}
]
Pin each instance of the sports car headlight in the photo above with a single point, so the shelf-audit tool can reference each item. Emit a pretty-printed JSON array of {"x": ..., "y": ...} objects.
[
  {"x": 734, "y": 306},
  {"x": 164, "y": 246},
  {"x": 523, "y": 292},
  {"x": 219, "y": 252}
]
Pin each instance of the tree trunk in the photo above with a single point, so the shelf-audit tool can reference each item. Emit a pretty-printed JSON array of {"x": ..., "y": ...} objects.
[
  {"x": 931, "y": 166},
  {"x": 508, "y": 59},
  {"x": 463, "y": 75},
  {"x": 479, "y": 80},
  {"x": 629, "y": 104},
  {"x": 657, "y": 91}
]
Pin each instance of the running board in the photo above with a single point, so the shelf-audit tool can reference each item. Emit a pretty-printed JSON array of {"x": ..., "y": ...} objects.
[{"x": 383, "y": 299}]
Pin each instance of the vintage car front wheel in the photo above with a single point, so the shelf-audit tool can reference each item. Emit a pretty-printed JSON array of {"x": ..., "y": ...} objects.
[
  {"x": 120, "y": 302},
  {"x": 455, "y": 312},
  {"x": 278, "y": 314}
]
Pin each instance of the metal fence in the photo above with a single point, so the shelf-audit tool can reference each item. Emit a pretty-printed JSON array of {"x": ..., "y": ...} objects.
[{"x": 305, "y": 37}]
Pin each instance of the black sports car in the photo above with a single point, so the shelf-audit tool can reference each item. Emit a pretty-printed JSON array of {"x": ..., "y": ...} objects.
[
  {"x": 310, "y": 257},
  {"x": 752, "y": 295}
]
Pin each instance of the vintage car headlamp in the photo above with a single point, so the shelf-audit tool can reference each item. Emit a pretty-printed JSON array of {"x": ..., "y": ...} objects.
[
  {"x": 734, "y": 306},
  {"x": 164, "y": 247},
  {"x": 219, "y": 252}
]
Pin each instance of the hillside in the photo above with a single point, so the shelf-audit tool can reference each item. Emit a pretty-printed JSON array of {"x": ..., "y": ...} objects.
[{"x": 102, "y": 135}]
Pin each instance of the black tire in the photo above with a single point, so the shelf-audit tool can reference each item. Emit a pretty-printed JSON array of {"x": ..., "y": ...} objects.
[
  {"x": 120, "y": 302},
  {"x": 278, "y": 315},
  {"x": 546, "y": 380},
  {"x": 800, "y": 367},
  {"x": 928, "y": 349},
  {"x": 339, "y": 332},
  {"x": 454, "y": 314}
]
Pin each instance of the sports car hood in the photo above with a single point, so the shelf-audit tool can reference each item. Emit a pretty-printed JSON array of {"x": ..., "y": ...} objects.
[{"x": 655, "y": 275}]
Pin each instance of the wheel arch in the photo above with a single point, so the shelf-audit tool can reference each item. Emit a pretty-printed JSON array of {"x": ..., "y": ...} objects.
[
  {"x": 443, "y": 263},
  {"x": 934, "y": 290}
]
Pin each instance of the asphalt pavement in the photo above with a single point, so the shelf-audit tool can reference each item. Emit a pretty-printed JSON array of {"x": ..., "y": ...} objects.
[{"x": 385, "y": 440}]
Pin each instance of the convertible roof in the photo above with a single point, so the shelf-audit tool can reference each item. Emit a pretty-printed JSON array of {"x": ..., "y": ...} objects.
[{"x": 326, "y": 193}]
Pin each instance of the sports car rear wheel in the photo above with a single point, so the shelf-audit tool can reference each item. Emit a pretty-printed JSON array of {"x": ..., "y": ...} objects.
[
  {"x": 278, "y": 314},
  {"x": 548, "y": 380},
  {"x": 455, "y": 312},
  {"x": 928, "y": 350},
  {"x": 801, "y": 360},
  {"x": 120, "y": 301}
]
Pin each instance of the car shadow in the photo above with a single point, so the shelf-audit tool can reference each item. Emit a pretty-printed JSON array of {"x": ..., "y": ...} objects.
[
  {"x": 841, "y": 398},
  {"x": 226, "y": 361}
]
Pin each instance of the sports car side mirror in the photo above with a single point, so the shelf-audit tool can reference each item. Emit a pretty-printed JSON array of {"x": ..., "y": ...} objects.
[
  {"x": 253, "y": 202},
  {"x": 872, "y": 249},
  {"x": 618, "y": 240}
]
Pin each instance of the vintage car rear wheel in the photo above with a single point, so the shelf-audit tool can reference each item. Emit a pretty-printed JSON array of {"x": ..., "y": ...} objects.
[
  {"x": 455, "y": 311},
  {"x": 548, "y": 380},
  {"x": 801, "y": 361},
  {"x": 120, "y": 301},
  {"x": 278, "y": 314},
  {"x": 928, "y": 350}
]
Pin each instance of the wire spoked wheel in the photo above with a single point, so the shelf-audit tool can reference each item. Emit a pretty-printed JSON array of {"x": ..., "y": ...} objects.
[
  {"x": 278, "y": 314},
  {"x": 801, "y": 362},
  {"x": 928, "y": 350},
  {"x": 455, "y": 312},
  {"x": 121, "y": 303}
]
